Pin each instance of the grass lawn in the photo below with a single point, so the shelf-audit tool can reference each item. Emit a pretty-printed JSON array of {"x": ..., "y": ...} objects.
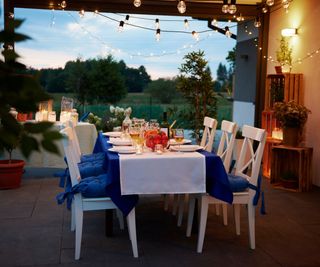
[{"x": 143, "y": 106}]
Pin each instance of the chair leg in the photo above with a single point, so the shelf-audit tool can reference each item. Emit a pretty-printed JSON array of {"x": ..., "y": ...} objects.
[
  {"x": 73, "y": 223},
  {"x": 192, "y": 201},
  {"x": 131, "y": 221},
  {"x": 251, "y": 222},
  {"x": 166, "y": 198},
  {"x": 180, "y": 209},
  {"x": 225, "y": 214},
  {"x": 236, "y": 210},
  {"x": 217, "y": 206},
  {"x": 120, "y": 218},
  {"x": 203, "y": 222},
  {"x": 175, "y": 204},
  {"x": 79, "y": 223}
]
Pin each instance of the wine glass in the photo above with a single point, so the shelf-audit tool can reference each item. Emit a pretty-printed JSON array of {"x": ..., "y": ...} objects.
[{"x": 178, "y": 136}]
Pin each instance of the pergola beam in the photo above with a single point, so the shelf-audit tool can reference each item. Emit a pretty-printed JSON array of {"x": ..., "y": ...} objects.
[{"x": 197, "y": 9}]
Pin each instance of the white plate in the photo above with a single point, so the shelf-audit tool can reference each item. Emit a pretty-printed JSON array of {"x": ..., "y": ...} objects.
[
  {"x": 173, "y": 142},
  {"x": 186, "y": 148},
  {"x": 120, "y": 142},
  {"x": 123, "y": 149},
  {"x": 112, "y": 134}
]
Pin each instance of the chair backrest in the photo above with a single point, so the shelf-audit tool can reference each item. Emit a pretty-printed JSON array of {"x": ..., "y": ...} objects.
[
  {"x": 75, "y": 141},
  {"x": 209, "y": 132},
  {"x": 68, "y": 147},
  {"x": 250, "y": 135},
  {"x": 227, "y": 141}
]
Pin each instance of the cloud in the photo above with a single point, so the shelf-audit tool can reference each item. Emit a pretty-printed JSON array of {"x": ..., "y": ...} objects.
[{"x": 43, "y": 58}]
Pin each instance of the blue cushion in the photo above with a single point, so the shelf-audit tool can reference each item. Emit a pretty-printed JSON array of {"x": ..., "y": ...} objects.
[
  {"x": 91, "y": 168},
  {"x": 237, "y": 183},
  {"x": 93, "y": 157},
  {"x": 93, "y": 186}
]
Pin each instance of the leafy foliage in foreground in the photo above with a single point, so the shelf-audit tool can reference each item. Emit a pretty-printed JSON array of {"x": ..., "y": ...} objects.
[{"x": 24, "y": 93}]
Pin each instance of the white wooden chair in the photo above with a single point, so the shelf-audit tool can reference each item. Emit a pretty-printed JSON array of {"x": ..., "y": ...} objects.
[
  {"x": 225, "y": 149},
  {"x": 81, "y": 204},
  {"x": 209, "y": 131},
  {"x": 245, "y": 196}
]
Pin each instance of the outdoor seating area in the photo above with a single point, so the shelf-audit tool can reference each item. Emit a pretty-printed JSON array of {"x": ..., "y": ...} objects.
[{"x": 119, "y": 150}]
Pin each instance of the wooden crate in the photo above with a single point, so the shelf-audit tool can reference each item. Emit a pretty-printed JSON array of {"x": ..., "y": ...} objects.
[
  {"x": 269, "y": 122},
  {"x": 293, "y": 88},
  {"x": 267, "y": 156},
  {"x": 296, "y": 161}
]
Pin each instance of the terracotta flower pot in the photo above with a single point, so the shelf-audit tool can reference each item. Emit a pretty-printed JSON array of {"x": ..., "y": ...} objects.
[
  {"x": 10, "y": 174},
  {"x": 278, "y": 69},
  {"x": 291, "y": 136}
]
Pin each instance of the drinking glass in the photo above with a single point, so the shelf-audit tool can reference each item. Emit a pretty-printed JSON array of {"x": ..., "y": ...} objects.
[
  {"x": 136, "y": 135},
  {"x": 178, "y": 136}
]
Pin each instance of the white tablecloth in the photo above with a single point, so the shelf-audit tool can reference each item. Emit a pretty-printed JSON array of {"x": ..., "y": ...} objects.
[
  {"x": 170, "y": 172},
  {"x": 87, "y": 135}
]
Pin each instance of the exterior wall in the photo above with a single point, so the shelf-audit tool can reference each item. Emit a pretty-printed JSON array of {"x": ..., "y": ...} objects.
[
  {"x": 303, "y": 15},
  {"x": 245, "y": 76},
  {"x": 243, "y": 113}
]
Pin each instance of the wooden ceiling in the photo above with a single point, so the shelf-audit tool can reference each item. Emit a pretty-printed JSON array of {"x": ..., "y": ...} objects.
[{"x": 202, "y": 9}]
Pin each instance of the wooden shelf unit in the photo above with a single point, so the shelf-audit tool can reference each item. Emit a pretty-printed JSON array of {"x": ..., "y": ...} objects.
[
  {"x": 292, "y": 85},
  {"x": 293, "y": 90},
  {"x": 295, "y": 161}
]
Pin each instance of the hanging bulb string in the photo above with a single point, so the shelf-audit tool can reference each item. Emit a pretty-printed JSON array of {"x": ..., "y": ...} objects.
[
  {"x": 138, "y": 54},
  {"x": 151, "y": 29}
]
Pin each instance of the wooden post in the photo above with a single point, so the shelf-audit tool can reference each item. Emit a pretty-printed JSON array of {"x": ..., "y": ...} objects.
[{"x": 261, "y": 68}]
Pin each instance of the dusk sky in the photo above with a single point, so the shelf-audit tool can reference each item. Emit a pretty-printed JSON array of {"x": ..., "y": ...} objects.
[{"x": 60, "y": 36}]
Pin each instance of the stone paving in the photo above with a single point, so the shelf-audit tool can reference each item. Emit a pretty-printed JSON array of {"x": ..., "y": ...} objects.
[{"x": 35, "y": 231}]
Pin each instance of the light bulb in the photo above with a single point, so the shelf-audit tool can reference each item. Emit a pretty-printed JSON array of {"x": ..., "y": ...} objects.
[
  {"x": 285, "y": 4},
  {"x": 63, "y": 4},
  {"x": 81, "y": 13},
  {"x": 157, "y": 24},
  {"x": 214, "y": 22},
  {"x": 137, "y": 3},
  {"x": 240, "y": 18},
  {"x": 225, "y": 9},
  {"x": 186, "y": 24},
  {"x": 228, "y": 33},
  {"x": 120, "y": 28},
  {"x": 195, "y": 35},
  {"x": 270, "y": 2},
  {"x": 158, "y": 35},
  {"x": 232, "y": 9},
  {"x": 182, "y": 7},
  {"x": 265, "y": 9},
  {"x": 257, "y": 22}
]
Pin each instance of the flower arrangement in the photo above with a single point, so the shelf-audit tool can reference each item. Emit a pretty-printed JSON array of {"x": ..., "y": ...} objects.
[
  {"x": 94, "y": 119},
  {"x": 291, "y": 114},
  {"x": 116, "y": 118}
]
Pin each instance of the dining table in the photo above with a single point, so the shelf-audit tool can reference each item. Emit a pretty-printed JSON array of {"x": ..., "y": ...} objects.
[{"x": 171, "y": 172}]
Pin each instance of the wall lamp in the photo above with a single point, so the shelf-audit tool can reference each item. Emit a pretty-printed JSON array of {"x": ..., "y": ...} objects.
[{"x": 289, "y": 32}]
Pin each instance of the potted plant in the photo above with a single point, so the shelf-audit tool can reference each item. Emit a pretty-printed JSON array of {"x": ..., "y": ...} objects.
[
  {"x": 292, "y": 117},
  {"x": 284, "y": 56},
  {"x": 23, "y": 93}
]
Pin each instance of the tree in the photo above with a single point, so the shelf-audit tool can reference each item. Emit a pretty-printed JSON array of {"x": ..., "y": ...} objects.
[
  {"x": 136, "y": 80},
  {"x": 163, "y": 89},
  {"x": 106, "y": 80},
  {"x": 195, "y": 84},
  {"x": 77, "y": 81}
]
